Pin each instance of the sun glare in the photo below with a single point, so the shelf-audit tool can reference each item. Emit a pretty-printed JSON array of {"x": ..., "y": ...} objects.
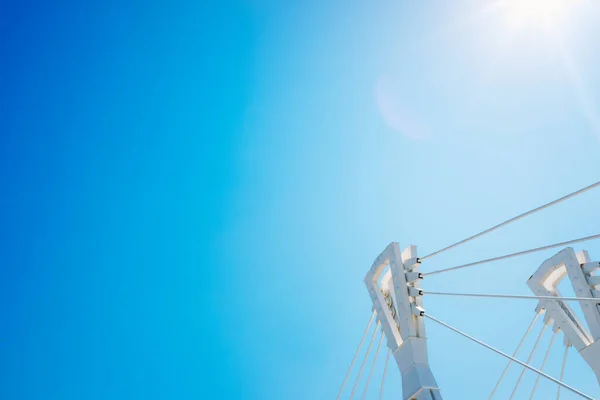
[{"x": 536, "y": 14}]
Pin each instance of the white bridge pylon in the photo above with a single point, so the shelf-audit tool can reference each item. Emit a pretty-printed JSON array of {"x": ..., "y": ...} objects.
[
  {"x": 579, "y": 270},
  {"x": 394, "y": 281},
  {"x": 393, "y": 284}
]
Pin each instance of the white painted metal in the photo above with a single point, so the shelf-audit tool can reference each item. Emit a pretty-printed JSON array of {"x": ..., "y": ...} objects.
[
  {"x": 590, "y": 267},
  {"x": 495, "y": 350},
  {"x": 393, "y": 284},
  {"x": 372, "y": 368},
  {"x": 537, "y": 314},
  {"x": 525, "y": 214},
  {"x": 562, "y": 368},
  {"x": 517, "y": 296},
  {"x": 544, "y": 282},
  {"x": 362, "y": 366},
  {"x": 387, "y": 359},
  {"x": 537, "y": 342},
  {"x": 519, "y": 253},
  {"x": 537, "y": 380},
  {"x": 355, "y": 355}
]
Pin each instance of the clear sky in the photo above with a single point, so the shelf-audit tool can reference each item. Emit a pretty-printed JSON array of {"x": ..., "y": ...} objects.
[{"x": 192, "y": 192}]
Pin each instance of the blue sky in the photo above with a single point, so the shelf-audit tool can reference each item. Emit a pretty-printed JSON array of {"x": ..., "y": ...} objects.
[{"x": 193, "y": 192}]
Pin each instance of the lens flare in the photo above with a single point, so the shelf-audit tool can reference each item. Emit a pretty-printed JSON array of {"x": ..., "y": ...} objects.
[{"x": 534, "y": 14}]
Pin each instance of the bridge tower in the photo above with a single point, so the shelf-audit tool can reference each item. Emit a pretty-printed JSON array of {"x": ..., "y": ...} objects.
[{"x": 393, "y": 284}]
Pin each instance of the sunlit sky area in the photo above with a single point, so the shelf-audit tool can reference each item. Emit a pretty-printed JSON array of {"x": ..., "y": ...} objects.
[{"x": 193, "y": 192}]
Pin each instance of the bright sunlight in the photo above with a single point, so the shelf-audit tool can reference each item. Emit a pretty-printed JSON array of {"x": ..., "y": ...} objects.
[{"x": 534, "y": 14}]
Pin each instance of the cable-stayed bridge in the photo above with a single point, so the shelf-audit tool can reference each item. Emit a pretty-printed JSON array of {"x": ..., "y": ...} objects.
[{"x": 394, "y": 283}]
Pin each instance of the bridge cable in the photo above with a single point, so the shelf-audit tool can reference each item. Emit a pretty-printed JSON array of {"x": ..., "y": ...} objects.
[
  {"x": 537, "y": 380},
  {"x": 537, "y": 342},
  {"x": 362, "y": 366},
  {"x": 516, "y": 296},
  {"x": 537, "y": 314},
  {"x": 520, "y": 253},
  {"x": 585, "y": 396},
  {"x": 562, "y": 369},
  {"x": 384, "y": 372},
  {"x": 356, "y": 354},
  {"x": 372, "y": 367},
  {"x": 578, "y": 192}
]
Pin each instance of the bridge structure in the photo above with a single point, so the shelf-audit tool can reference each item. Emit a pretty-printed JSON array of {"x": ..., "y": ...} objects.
[{"x": 395, "y": 285}]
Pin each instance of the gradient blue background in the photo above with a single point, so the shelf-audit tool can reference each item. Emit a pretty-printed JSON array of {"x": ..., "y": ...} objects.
[{"x": 192, "y": 192}]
